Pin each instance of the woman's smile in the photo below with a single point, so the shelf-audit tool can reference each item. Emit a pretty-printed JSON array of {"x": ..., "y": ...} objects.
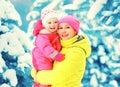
[{"x": 64, "y": 35}]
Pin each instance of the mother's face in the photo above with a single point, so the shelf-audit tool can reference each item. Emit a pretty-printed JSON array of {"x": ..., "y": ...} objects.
[{"x": 65, "y": 31}]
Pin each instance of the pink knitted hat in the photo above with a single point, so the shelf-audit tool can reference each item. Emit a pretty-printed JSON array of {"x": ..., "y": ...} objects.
[
  {"x": 72, "y": 21},
  {"x": 46, "y": 14}
]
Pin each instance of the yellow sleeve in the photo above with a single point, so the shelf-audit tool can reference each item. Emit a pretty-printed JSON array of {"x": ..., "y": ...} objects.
[
  {"x": 33, "y": 72},
  {"x": 74, "y": 62}
]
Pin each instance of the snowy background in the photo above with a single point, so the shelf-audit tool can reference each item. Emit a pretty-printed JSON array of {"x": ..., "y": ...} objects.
[{"x": 100, "y": 20}]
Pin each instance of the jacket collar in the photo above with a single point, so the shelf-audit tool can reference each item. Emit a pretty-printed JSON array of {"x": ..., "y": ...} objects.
[{"x": 67, "y": 43}]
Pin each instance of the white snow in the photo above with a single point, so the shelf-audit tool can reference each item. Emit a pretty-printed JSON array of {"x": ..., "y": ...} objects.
[
  {"x": 4, "y": 85},
  {"x": 2, "y": 64},
  {"x": 7, "y": 11},
  {"x": 93, "y": 81},
  {"x": 11, "y": 75},
  {"x": 12, "y": 44},
  {"x": 24, "y": 61},
  {"x": 114, "y": 83},
  {"x": 95, "y": 8},
  {"x": 4, "y": 28}
]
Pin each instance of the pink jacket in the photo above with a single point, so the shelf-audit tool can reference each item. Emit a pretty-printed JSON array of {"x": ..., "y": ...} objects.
[
  {"x": 45, "y": 45},
  {"x": 46, "y": 50}
]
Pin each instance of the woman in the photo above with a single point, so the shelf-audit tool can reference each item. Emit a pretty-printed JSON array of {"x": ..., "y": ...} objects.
[{"x": 70, "y": 71}]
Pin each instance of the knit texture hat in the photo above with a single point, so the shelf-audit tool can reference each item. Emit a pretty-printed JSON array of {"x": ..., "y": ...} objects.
[
  {"x": 72, "y": 21},
  {"x": 46, "y": 14}
]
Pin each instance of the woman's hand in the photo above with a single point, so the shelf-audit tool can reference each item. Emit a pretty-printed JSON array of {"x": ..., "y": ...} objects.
[{"x": 33, "y": 74}]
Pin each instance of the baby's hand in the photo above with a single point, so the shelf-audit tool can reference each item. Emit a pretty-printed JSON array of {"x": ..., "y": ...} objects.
[{"x": 59, "y": 57}]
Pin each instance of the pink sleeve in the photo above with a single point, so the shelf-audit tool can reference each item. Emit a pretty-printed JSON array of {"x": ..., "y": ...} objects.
[
  {"x": 43, "y": 43},
  {"x": 37, "y": 27}
]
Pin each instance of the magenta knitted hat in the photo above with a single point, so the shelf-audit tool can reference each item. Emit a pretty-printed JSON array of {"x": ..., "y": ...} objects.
[
  {"x": 46, "y": 14},
  {"x": 72, "y": 21}
]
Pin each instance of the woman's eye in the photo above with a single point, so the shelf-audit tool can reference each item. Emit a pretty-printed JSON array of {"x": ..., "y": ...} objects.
[
  {"x": 55, "y": 21},
  {"x": 67, "y": 27}
]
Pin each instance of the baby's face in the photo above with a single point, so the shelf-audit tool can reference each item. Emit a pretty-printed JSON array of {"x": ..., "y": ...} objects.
[{"x": 52, "y": 25}]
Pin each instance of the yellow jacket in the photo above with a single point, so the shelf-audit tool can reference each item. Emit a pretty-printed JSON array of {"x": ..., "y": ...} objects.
[{"x": 70, "y": 71}]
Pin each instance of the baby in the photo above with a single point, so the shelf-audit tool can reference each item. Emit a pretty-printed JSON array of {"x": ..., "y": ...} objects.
[{"x": 47, "y": 45}]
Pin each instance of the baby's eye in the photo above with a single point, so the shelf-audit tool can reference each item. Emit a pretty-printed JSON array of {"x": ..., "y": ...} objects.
[
  {"x": 49, "y": 22},
  {"x": 60, "y": 28}
]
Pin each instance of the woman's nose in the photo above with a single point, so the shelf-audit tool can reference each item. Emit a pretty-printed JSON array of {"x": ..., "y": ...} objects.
[{"x": 63, "y": 30}]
